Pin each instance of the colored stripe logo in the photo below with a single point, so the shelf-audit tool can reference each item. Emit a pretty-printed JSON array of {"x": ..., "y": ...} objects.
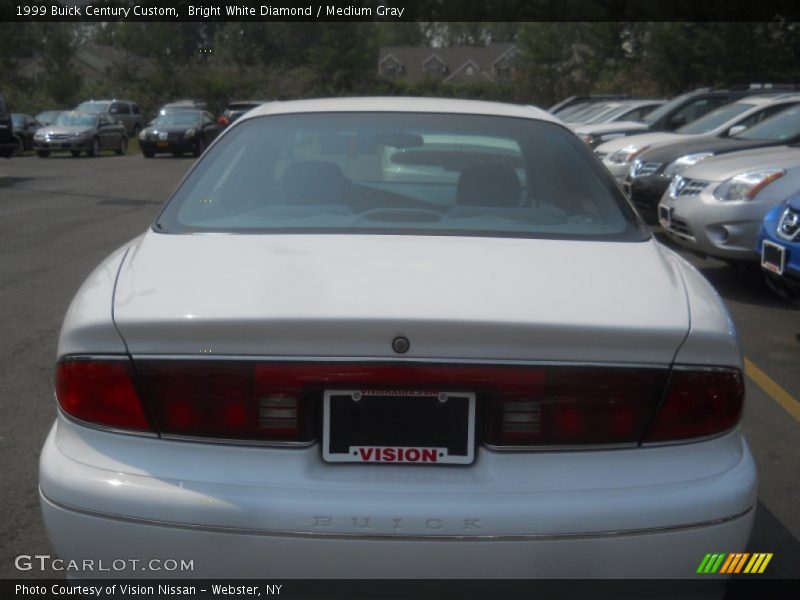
[{"x": 737, "y": 562}]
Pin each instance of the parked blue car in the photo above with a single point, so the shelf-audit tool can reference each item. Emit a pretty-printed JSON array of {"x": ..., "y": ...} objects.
[{"x": 779, "y": 247}]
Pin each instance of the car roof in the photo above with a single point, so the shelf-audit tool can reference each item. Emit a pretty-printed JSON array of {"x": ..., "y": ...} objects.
[{"x": 403, "y": 104}]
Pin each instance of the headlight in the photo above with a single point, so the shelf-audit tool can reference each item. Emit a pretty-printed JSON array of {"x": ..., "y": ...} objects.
[
  {"x": 687, "y": 160},
  {"x": 190, "y": 133},
  {"x": 745, "y": 186},
  {"x": 627, "y": 154},
  {"x": 675, "y": 186},
  {"x": 143, "y": 134},
  {"x": 39, "y": 135}
]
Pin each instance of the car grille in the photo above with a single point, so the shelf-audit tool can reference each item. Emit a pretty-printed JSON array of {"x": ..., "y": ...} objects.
[
  {"x": 691, "y": 187},
  {"x": 58, "y": 136},
  {"x": 645, "y": 169},
  {"x": 175, "y": 135}
]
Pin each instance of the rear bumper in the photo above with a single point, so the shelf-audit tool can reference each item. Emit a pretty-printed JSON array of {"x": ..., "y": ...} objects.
[
  {"x": 255, "y": 554},
  {"x": 269, "y": 512}
]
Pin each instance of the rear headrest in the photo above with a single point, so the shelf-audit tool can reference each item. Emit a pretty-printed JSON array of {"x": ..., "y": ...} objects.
[
  {"x": 313, "y": 182},
  {"x": 492, "y": 184}
]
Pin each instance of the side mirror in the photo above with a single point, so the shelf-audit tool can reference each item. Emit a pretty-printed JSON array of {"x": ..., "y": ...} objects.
[{"x": 736, "y": 129}]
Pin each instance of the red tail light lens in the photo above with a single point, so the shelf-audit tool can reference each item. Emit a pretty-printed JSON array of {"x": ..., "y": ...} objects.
[
  {"x": 100, "y": 392},
  {"x": 223, "y": 120},
  {"x": 225, "y": 400},
  {"x": 698, "y": 403},
  {"x": 576, "y": 406}
]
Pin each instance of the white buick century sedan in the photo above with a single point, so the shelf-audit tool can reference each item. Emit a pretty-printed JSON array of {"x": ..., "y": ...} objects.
[{"x": 340, "y": 353}]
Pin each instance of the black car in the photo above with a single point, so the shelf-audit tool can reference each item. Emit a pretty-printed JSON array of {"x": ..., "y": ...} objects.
[
  {"x": 25, "y": 126},
  {"x": 179, "y": 132},
  {"x": 9, "y": 143},
  {"x": 653, "y": 170},
  {"x": 234, "y": 110}
]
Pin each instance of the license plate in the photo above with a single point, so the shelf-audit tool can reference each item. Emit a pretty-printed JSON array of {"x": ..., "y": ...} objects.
[
  {"x": 773, "y": 257},
  {"x": 664, "y": 216},
  {"x": 162, "y": 144},
  {"x": 399, "y": 426}
]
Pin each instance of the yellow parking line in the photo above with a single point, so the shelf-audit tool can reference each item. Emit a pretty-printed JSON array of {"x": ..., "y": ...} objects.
[{"x": 773, "y": 390}]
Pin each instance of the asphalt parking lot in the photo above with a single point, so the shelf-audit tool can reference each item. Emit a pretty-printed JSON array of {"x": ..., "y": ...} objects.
[{"x": 61, "y": 216}]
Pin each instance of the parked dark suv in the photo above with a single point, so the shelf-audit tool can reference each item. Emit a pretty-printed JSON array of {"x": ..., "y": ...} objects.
[
  {"x": 9, "y": 143},
  {"x": 124, "y": 111}
]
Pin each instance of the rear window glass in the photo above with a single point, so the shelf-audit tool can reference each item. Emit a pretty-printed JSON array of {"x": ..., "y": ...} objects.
[{"x": 404, "y": 173}]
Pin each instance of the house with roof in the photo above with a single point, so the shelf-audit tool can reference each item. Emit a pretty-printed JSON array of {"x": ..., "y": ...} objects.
[
  {"x": 94, "y": 62},
  {"x": 457, "y": 64}
]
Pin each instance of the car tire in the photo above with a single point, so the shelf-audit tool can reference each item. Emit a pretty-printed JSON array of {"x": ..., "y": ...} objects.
[
  {"x": 123, "y": 146},
  {"x": 94, "y": 150},
  {"x": 148, "y": 153},
  {"x": 199, "y": 146},
  {"x": 75, "y": 153},
  {"x": 43, "y": 153}
]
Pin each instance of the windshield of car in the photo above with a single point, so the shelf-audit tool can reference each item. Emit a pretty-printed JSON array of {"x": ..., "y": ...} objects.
[
  {"x": 93, "y": 107},
  {"x": 72, "y": 119},
  {"x": 783, "y": 126},
  {"x": 666, "y": 109},
  {"x": 716, "y": 118},
  {"x": 47, "y": 116},
  {"x": 401, "y": 173},
  {"x": 188, "y": 118},
  {"x": 584, "y": 116}
]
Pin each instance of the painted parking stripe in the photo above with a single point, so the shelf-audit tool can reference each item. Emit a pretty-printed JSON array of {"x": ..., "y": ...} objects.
[{"x": 773, "y": 390}]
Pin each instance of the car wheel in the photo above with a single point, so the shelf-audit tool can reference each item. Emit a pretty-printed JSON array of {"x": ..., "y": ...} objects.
[
  {"x": 123, "y": 146},
  {"x": 75, "y": 153},
  {"x": 148, "y": 153},
  {"x": 199, "y": 146},
  {"x": 43, "y": 153},
  {"x": 95, "y": 149}
]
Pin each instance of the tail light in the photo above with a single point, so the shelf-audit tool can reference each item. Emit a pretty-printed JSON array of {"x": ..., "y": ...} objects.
[
  {"x": 525, "y": 406},
  {"x": 223, "y": 120},
  {"x": 100, "y": 392},
  {"x": 698, "y": 402},
  {"x": 576, "y": 406}
]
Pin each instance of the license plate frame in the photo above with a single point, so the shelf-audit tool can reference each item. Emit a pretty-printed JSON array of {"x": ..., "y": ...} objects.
[
  {"x": 374, "y": 427},
  {"x": 773, "y": 257},
  {"x": 162, "y": 144}
]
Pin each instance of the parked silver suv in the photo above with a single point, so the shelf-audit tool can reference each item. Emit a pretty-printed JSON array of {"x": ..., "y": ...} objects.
[{"x": 124, "y": 111}]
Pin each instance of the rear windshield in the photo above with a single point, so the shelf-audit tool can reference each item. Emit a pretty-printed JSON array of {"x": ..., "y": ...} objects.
[
  {"x": 716, "y": 118},
  {"x": 93, "y": 107},
  {"x": 403, "y": 173},
  {"x": 783, "y": 126}
]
